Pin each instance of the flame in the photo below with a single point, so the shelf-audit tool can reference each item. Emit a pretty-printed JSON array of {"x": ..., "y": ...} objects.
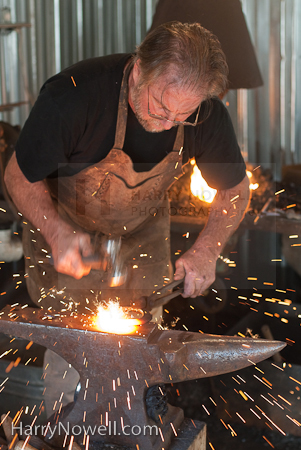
[
  {"x": 199, "y": 187},
  {"x": 252, "y": 186},
  {"x": 112, "y": 318}
]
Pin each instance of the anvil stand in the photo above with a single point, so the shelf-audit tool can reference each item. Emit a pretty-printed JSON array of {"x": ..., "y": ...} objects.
[{"x": 116, "y": 372}]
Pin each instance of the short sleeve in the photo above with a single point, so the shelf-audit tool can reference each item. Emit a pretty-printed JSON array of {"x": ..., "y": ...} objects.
[
  {"x": 217, "y": 152},
  {"x": 45, "y": 140}
]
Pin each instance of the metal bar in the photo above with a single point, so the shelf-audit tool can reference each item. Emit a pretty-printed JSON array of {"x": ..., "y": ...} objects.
[
  {"x": 57, "y": 35},
  {"x": 282, "y": 78},
  {"x": 120, "y": 27},
  {"x": 150, "y": 6},
  {"x": 3, "y": 74},
  {"x": 80, "y": 25},
  {"x": 100, "y": 28},
  {"x": 137, "y": 21},
  {"x": 10, "y": 106},
  {"x": 295, "y": 34},
  {"x": 14, "y": 26}
]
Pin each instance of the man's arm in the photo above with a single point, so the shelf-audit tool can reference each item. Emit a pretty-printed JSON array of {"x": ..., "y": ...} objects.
[
  {"x": 34, "y": 202},
  {"x": 198, "y": 264}
]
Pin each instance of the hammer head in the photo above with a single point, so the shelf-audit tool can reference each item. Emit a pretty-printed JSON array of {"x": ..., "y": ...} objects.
[
  {"x": 109, "y": 259},
  {"x": 116, "y": 267}
]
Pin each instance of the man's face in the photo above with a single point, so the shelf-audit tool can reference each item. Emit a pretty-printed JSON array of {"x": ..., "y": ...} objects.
[{"x": 168, "y": 102}]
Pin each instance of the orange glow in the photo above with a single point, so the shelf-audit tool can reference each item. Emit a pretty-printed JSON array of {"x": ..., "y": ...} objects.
[
  {"x": 199, "y": 187},
  {"x": 112, "y": 318},
  {"x": 252, "y": 186}
]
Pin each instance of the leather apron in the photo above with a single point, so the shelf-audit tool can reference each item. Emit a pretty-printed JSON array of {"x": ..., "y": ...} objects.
[{"x": 110, "y": 199}]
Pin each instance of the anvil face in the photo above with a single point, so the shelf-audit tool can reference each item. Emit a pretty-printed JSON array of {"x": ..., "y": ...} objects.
[{"x": 116, "y": 371}]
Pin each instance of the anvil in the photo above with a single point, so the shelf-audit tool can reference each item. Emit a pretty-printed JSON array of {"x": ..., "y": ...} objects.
[{"x": 116, "y": 371}]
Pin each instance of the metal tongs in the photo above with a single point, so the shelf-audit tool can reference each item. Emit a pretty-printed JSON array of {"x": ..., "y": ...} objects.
[{"x": 161, "y": 296}]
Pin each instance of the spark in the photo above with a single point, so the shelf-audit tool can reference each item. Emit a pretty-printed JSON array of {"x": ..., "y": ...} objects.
[
  {"x": 277, "y": 367},
  {"x": 273, "y": 423},
  {"x": 161, "y": 434},
  {"x": 128, "y": 401},
  {"x": 241, "y": 418},
  {"x": 243, "y": 396},
  {"x": 232, "y": 431},
  {"x": 286, "y": 401},
  {"x": 224, "y": 424},
  {"x": 279, "y": 192},
  {"x": 267, "y": 400},
  {"x": 65, "y": 440},
  {"x": 294, "y": 421},
  {"x": 173, "y": 429},
  {"x": 268, "y": 441},
  {"x": 255, "y": 413},
  {"x": 71, "y": 442},
  {"x": 87, "y": 442},
  {"x": 206, "y": 410},
  {"x": 73, "y": 81}
]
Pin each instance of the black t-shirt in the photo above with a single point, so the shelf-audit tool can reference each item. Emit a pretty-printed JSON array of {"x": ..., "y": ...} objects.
[{"x": 72, "y": 125}]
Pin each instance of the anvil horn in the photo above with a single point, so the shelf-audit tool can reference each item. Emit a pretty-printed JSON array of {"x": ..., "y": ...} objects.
[
  {"x": 119, "y": 368},
  {"x": 192, "y": 355}
]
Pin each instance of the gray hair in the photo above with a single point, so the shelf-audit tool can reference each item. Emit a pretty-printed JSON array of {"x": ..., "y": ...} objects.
[{"x": 188, "y": 55}]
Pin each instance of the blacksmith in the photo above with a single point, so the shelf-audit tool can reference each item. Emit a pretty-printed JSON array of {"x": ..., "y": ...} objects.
[{"x": 104, "y": 141}]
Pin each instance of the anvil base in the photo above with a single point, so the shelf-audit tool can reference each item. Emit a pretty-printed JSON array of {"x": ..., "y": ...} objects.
[{"x": 192, "y": 436}]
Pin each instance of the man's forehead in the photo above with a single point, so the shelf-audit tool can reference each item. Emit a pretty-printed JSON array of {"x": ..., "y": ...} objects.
[{"x": 171, "y": 95}]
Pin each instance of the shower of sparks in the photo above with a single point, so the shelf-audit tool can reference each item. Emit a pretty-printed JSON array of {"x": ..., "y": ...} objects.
[{"x": 111, "y": 318}]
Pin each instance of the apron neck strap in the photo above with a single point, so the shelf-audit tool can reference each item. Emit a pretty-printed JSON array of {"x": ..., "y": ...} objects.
[
  {"x": 179, "y": 141},
  {"x": 122, "y": 109}
]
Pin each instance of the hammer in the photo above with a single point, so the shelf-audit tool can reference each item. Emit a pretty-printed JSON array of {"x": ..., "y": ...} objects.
[{"x": 109, "y": 260}]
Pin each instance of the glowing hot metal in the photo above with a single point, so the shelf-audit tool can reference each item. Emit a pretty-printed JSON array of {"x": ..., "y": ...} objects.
[{"x": 112, "y": 318}]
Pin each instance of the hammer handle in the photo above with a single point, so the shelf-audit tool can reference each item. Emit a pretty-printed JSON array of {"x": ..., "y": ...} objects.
[{"x": 95, "y": 261}]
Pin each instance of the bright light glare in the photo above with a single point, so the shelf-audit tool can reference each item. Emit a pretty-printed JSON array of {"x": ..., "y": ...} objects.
[
  {"x": 199, "y": 187},
  {"x": 253, "y": 186},
  {"x": 111, "y": 318}
]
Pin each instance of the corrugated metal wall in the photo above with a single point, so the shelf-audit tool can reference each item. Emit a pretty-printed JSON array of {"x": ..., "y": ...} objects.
[
  {"x": 63, "y": 32},
  {"x": 267, "y": 119}
]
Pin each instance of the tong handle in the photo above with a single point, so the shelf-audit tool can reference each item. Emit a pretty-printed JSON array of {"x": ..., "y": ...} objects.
[{"x": 161, "y": 296}]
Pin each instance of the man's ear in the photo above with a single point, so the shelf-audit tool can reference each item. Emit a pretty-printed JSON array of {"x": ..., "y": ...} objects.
[{"x": 136, "y": 70}]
